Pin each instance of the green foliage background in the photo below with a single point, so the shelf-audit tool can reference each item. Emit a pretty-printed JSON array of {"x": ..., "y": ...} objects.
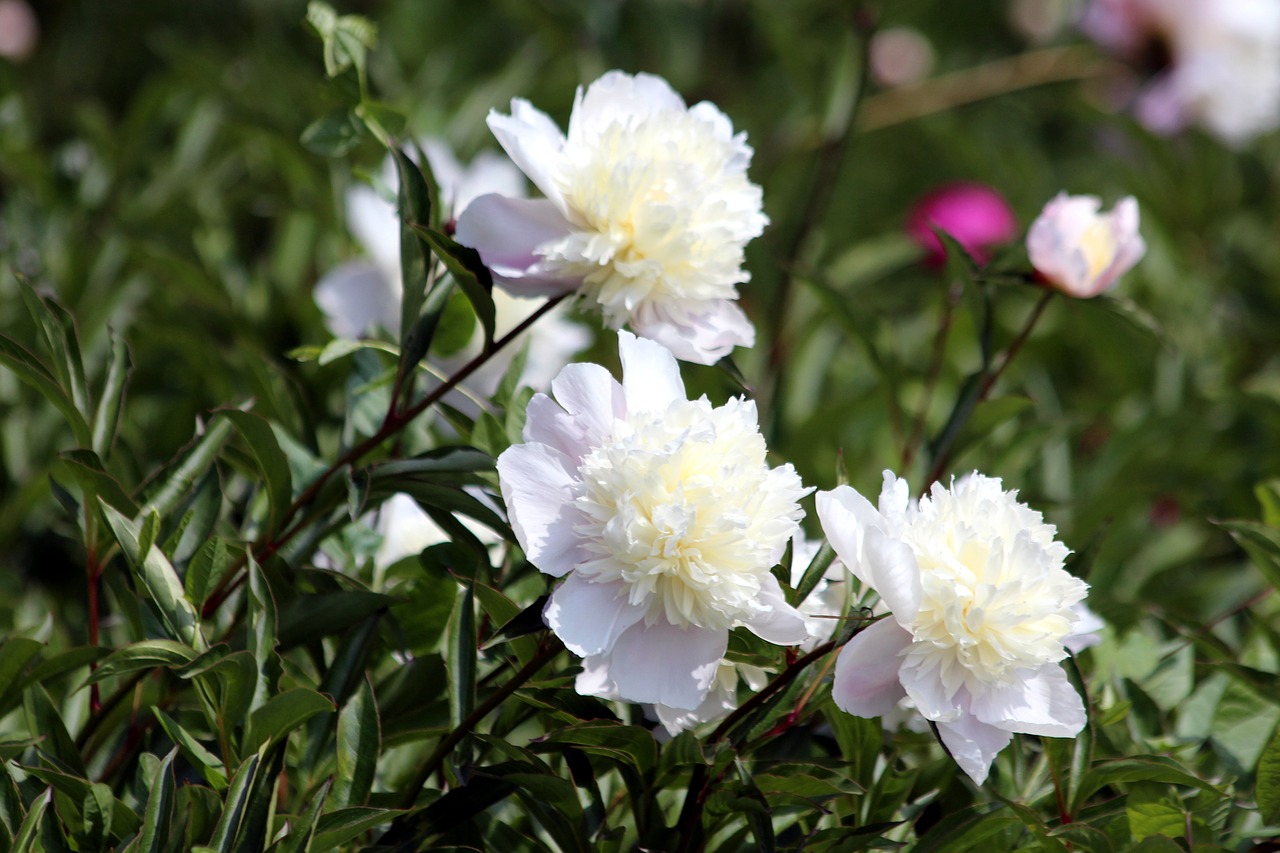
[{"x": 165, "y": 226}]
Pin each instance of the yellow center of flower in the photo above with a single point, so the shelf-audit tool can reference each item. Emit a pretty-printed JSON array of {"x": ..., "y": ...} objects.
[
  {"x": 1098, "y": 245},
  {"x": 682, "y": 508}
]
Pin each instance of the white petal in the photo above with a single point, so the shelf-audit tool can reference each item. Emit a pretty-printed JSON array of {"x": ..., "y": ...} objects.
[
  {"x": 489, "y": 172},
  {"x": 533, "y": 142},
  {"x": 537, "y": 486},
  {"x": 704, "y": 337},
  {"x": 588, "y": 617},
  {"x": 845, "y": 516},
  {"x": 781, "y": 624},
  {"x": 1043, "y": 704},
  {"x": 595, "y": 679},
  {"x": 593, "y": 397},
  {"x": 375, "y": 224},
  {"x": 445, "y": 167},
  {"x": 973, "y": 745},
  {"x": 893, "y": 571},
  {"x": 406, "y": 530},
  {"x": 621, "y": 98},
  {"x": 355, "y": 298},
  {"x": 923, "y": 683},
  {"x": 666, "y": 665},
  {"x": 650, "y": 376},
  {"x": 506, "y": 232},
  {"x": 866, "y": 677}
]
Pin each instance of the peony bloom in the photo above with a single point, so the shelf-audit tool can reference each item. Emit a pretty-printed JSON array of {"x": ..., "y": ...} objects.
[
  {"x": 979, "y": 610},
  {"x": 977, "y": 216},
  {"x": 662, "y": 517},
  {"x": 360, "y": 296},
  {"x": 1080, "y": 252},
  {"x": 1215, "y": 63},
  {"x": 647, "y": 211}
]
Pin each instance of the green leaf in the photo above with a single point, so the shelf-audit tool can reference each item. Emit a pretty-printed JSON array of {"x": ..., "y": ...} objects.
[
  {"x": 234, "y": 672},
  {"x": 44, "y": 718},
  {"x": 461, "y": 659},
  {"x": 1153, "y": 811},
  {"x": 97, "y": 807},
  {"x": 262, "y": 637},
  {"x": 307, "y": 618},
  {"x": 1144, "y": 768},
  {"x": 158, "y": 579},
  {"x": 626, "y": 744},
  {"x": 813, "y": 575},
  {"x": 271, "y": 460},
  {"x": 204, "y": 571},
  {"x": 347, "y": 38},
  {"x": 1268, "y": 494},
  {"x": 25, "y": 839},
  {"x": 123, "y": 820},
  {"x": 340, "y": 826},
  {"x": 28, "y": 368},
  {"x": 195, "y": 463},
  {"x": 211, "y": 766},
  {"x": 469, "y": 272},
  {"x": 15, "y": 654},
  {"x": 11, "y": 808},
  {"x": 85, "y": 469},
  {"x": 1268, "y": 788},
  {"x": 302, "y": 831},
  {"x": 106, "y": 419},
  {"x": 359, "y": 744},
  {"x": 144, "y": 655},
  {"x": 414, "y": 205},
  {"x": 282, "y": 714},
  {"x": 333, "y": 135},
  {"x": 158, "y": 816},
  {"x": 236, "y": 805}
]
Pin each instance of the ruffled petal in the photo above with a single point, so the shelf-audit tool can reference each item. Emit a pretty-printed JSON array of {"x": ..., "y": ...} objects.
[
  {"x": 618, "y": 97},
  {"x": 923, "y": 683},
  {"x": 1044, "y": 703},
  {"x": 650, "y": 376},
  {"x": 537, "y": 487},
  {"x": 866, "y": 675},
  {"x": 702, "y": 337},
  {"x": 533, "y": 141},
  {"x": 973, "y": 745},
  {"x": 781, "y": 624},
  {"x": 507, "y": 232},
  {"x": 666, "y": 665},
  {"x": 588, "y": 617}
]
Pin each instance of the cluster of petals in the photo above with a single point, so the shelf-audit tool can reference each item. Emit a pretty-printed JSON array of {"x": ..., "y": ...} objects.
[
  {"x": 361, "y": 295},
  {"x": 975, "y": 215},
  {"x": 1218, "y": 61},
  {"x": 1081, "y": 252},
  {"x": 980, "y": 608},
  {"x": 662, "y": 517},
  {"x": 647, "y": 212}
]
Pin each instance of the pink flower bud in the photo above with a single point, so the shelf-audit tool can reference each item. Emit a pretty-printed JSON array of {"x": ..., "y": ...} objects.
[
  {"x": 1080, "y": 252},
  {"x": 977, "y": 216}
]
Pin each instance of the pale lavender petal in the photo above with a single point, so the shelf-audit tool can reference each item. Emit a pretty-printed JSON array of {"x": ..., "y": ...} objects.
[
  {"x": 537, "y": 485},
  {"x": 893, "y": 572},
  {"x": 650, "y": 376},
  {"x": 507, "y": 232},
  {"x": 593, "y": 397},
  {"x": 355, "y": 298},
  {"x": 973, "y": 745},
  {"x": 588, "y": 617},
  {"x": 866, "y": 674},
  {"x": 666, "y": 665},
  {"x": 781, "y": 624},
  {"x": 533, "y": 141},
  {"x": 702, "y": 337},
  {"x": 1044, "y": 703},
  {"x": 845, "y": 516},
  {"x": 595, "y": 678}
]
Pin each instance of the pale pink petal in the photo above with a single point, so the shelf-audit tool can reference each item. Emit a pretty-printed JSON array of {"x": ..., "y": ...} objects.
[
  {"x": 866, "y": 674},
  {"x": 973, "y": 745},
  {"x": 588, "y": 617},
  {"x": 781, "y": 624},
  {"x": 650, "y": 376},
  {"x": 1041, "y": 704},
  {"x": 355, "y": 298},
  {"x": 533, "y": 141},
  {"x": 701, "y": 337},
  {"x": 537, "y": 487},
  {"x": 593, "y": 397},
  {"x": 666, "y": 665},
  {"x": 507, "y": 232},
  {"x": 546, "y": 423}
]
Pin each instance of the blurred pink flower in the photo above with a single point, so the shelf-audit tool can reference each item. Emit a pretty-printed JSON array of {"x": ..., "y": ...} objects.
[
  {"x": 1215, "y": 63},
  {"x": 19, "y": 30},
  {"x": 977, "y": 216},
  {"x": 1080, "y": 252}
]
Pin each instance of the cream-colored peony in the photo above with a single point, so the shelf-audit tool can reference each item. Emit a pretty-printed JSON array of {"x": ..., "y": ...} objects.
[
  {"x": 664, "y": 519},
  {"x": 647, "y": 212},
  {"x": 980, "y": 607}
]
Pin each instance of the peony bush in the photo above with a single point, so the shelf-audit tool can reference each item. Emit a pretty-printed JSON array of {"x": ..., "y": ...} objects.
[{"x": 391, "y": 464}]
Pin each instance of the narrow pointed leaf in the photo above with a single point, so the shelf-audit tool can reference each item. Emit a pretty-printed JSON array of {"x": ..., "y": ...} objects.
[
  {"x": 282, "y": 714},
  {"x": 195, "y": 463},
  {"x": 359, "y": 744},
  {"x": 271, "y": 460},
  {"x": 106, "y": 419},
  {"x": 158, "y": 816}
]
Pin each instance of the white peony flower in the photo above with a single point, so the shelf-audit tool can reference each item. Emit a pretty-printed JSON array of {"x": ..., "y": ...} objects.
[
  {"x": 1219, "y": 61},
  {"x": 1081, "y": 252},
  {"x": 647, "y": 211},
  {"x": 359, "y": 296},
  {"x": 662, "y": 516},
  {"x": 980, "y": 607},
  {"x": 721, "y": 700}
]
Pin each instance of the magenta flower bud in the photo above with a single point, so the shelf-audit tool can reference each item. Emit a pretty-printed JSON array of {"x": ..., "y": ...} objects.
[{"x": 977, "y": 216}]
